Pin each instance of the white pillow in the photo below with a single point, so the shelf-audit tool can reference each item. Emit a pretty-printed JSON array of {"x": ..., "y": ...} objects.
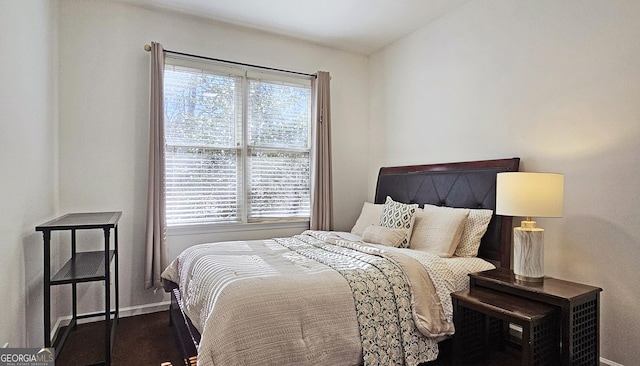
[
  {"x": 370, "y": 215},
  {"x": 438, "y": 232},
  {"x": 474, "y": 228},
  {"x": 397, "y": 215},
  {"x": 383, "y": 235}
]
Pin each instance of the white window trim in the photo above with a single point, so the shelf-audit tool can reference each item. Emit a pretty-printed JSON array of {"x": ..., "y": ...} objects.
[{"x": 208, "y": 228}]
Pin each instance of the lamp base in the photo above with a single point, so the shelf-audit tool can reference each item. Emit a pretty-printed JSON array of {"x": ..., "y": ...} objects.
[
  {"x": 529, "y": 279},
  {"x": 528, "y": 252}
]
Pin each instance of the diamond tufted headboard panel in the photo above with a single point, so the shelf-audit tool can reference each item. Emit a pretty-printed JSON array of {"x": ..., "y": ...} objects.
[{"x": 462, "y": 185}]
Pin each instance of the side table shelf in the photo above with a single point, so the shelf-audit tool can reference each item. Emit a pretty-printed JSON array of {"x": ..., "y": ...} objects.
[{"x": 83, "y": 266}]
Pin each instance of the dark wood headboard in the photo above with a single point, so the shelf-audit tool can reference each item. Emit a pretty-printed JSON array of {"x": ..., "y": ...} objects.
[{"x": 462, "y": 185}]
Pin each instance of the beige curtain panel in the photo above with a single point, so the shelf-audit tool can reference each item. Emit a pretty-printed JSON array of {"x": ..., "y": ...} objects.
[
  {"x": 321, "y": 184},
  {"x": 156, "y": 243}
]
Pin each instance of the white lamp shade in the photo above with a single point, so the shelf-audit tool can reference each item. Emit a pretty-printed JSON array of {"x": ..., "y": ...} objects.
[{"x": 526, "y": 194}]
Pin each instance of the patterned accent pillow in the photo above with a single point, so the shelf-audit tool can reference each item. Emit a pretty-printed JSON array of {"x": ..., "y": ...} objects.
[
  {"x": 397, "y": 215},
  {"x": 474, "y": 228}
]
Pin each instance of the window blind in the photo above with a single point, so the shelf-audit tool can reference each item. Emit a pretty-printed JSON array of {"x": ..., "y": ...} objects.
[{"x": 237, "y": 147}]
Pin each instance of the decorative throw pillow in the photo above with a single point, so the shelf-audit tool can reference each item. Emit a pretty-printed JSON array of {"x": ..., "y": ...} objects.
[
  {"x": 474, "y": 228},
  {"x": 438, "y": 232},
  {"x": 383, "y": 235},
  {"x": 370, "y": 215},
  {"x": 397, "y": 215}
]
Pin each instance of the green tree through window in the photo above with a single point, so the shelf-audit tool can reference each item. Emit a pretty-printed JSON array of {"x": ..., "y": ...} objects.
[{"x": 237, "y": 147}]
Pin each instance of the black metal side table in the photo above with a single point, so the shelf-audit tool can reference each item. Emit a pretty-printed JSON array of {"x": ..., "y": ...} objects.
[{"x": 83, "y": 266}]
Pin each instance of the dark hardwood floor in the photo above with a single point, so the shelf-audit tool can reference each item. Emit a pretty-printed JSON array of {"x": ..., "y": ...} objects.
[{"x": 139, "y": 340}]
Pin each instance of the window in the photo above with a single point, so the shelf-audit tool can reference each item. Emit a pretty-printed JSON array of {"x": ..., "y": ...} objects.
[{"x": 237, "y": 145}]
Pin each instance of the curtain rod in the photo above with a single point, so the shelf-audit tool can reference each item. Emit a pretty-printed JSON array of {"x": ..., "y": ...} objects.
[{"x": 148, "y": 49}]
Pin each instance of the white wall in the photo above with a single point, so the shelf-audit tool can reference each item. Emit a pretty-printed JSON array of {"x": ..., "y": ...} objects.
[
  {"x": 28, "y": 161},
  {"x": 554, "y": 82},
  {"x": 104, "y": 83}
]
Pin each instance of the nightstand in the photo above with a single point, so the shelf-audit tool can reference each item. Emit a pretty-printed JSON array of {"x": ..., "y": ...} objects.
[
  {"x": 578, "y": 306},
  {"x": 482, "y": 317}
]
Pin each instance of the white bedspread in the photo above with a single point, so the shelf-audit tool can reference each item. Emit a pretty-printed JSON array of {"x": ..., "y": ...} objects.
[{"x": 317, "y": 299}]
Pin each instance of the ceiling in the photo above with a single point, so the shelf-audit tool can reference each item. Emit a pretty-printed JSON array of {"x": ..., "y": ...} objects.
[{"x": 361, "y": 26}]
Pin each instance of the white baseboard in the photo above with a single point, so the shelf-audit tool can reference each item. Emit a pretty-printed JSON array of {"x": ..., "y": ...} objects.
[
  {"x": 144, "y": 309},
  {"x": 123, "y": 313},
  {"x": 604, "y": 361}
]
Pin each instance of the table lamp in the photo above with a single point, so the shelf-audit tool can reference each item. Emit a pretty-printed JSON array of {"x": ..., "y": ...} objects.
[{"x": 527, "y": 194}]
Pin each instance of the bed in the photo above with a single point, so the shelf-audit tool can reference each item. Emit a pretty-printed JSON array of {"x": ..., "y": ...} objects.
[{"x": 327, "y": 298}]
